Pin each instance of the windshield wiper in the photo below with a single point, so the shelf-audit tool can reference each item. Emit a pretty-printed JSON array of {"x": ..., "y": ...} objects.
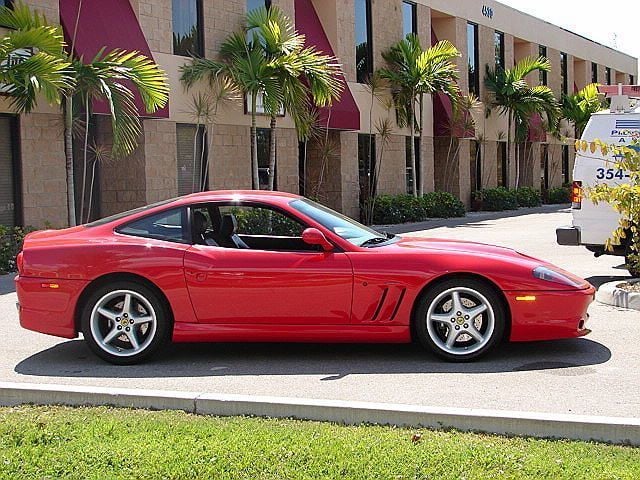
[{"x": 373, "y": 241}]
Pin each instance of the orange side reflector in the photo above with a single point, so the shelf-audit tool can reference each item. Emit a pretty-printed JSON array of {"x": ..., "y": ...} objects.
[
  {"x": 526, "y": 298},
  {"x": 50, "y": 285}
]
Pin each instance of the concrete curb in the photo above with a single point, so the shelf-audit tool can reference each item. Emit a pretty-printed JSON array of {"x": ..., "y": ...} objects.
[
  {"x": 610, "y": 294},
  {"x": 574, "y": 427}
]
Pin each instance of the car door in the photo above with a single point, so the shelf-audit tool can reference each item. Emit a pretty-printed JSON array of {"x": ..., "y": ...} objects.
[{"x": 260, "y": 286}]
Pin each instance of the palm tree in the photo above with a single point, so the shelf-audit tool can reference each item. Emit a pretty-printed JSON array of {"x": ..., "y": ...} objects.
[
  {"x": 244, "y": 63},
  {"x": 32, "y": 59},
  {"x": 579, "y": 107},
  {"x": 512, "y": 96},
  {"x": 302, "y": 74},
  {"x": 414, "y": 73},
  {"x": 103, "y": 79}
]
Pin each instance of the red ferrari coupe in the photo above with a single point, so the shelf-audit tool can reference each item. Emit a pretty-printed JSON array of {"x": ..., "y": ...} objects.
[{"x": 251, "y": 266}]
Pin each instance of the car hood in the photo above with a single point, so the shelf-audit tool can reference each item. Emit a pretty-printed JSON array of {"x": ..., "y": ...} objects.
[{"x": 459, "y": 246}]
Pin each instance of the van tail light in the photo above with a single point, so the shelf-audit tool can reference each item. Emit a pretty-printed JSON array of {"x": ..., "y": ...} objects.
[
  {"x": 20, "y": 263},
  {"x": 576, "y": 195}
]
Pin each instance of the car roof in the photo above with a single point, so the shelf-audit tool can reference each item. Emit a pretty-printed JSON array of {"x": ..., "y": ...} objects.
[{"x": 217, "y": 195}]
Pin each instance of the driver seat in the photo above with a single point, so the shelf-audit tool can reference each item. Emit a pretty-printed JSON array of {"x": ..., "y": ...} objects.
[
  {"x": 200, "y": 224},
  {"x": 227, "y": 236}
]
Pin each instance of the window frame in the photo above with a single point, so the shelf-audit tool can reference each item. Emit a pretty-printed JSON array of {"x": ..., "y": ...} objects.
[
  {"x": 544, "y": 75},
  {"x": 414, "y": 18},
  {"x": 564, "y": 72},
  {"x": 369, "y": 35},
  {"x": 473, "y": 78},
  {"x": 498, "y": 43},
  {"x": 199, "y": 29},
  {"x": 186, "y": 228}
]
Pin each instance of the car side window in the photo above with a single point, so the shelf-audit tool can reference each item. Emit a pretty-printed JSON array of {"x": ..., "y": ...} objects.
[
  {"x": 170, "y": 226},
  {"x": 263, "y": 221}
]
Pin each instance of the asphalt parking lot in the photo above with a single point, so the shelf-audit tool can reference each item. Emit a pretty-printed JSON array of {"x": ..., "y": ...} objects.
[{"x": 596, "y": 375}]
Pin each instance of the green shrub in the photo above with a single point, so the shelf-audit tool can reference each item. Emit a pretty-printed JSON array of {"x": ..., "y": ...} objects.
[
  {"x": 559, "y": 195},
  {"x": 498, "y": 199},
  {"x": 443, "y": 205},
  {"x": 11, "y": 240},
  {"x": 261, "y": 221},
  {"x": 528, "y": 197},
  {"x": 394, "y": 209}
]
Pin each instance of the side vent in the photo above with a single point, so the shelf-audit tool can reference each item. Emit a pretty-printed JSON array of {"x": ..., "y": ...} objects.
[{"x": 380, "y": 304}]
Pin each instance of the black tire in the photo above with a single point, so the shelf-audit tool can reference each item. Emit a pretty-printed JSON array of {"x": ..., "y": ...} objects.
[
  {"x": 154, "y": 336},
  {"x": 437, "y": 299}
]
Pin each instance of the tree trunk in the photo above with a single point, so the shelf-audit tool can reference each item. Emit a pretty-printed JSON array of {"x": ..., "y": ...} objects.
[
  {"x": 84, "y": 158},
  {"x": 509, "y": 125},
  {"x": 421, "y": 177},
  {"x": 68, "y": 137},
  {"x": 254, "y": 145},
  {"x": 412, "y": 147},
  {"x": 272, "y": 153}
]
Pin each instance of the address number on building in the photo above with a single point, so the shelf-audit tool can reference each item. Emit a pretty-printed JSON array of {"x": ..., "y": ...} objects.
[{"x": 487, "y": 11}]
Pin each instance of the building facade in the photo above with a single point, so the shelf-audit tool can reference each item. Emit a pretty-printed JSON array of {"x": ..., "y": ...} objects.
[{"x": 333, "y": 168}]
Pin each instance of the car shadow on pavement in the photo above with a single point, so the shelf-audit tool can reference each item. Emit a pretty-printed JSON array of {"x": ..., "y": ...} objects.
[
  {"x": 336, "y": 361},
  {"x": 598, "y": 281},
  {"x": 7, "y": 284}
]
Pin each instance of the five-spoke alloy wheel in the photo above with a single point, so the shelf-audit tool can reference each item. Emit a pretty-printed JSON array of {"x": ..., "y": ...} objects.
[
  {"x": 125, "y": 322},
  {"x": 460, "y": 319}
]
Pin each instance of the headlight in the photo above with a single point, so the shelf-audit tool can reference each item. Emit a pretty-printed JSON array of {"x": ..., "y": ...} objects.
[{"x": 549, "y": 275}]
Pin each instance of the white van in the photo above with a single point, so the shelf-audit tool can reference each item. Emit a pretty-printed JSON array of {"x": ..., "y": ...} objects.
[{"x": 593, "y": 224}]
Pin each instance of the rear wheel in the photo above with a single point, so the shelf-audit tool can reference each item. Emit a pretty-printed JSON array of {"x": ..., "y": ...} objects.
[
  {"x": 125, "y": 322},
  {"x": 460, "y": 319}
]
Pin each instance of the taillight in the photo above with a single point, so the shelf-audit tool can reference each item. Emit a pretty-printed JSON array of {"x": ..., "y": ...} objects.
[
  {"x": 576, "y": 195},
  {"x": 20, "y": 263}
]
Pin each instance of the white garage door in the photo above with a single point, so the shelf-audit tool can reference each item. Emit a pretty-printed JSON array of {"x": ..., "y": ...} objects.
[{"x": 7, "y": 191}]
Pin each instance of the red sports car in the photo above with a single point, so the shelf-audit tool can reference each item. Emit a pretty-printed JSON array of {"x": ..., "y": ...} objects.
[{"x": 250, "y": 266}]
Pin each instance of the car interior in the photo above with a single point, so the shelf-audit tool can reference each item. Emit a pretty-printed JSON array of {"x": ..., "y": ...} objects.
[{"x": 247, "y": 227}]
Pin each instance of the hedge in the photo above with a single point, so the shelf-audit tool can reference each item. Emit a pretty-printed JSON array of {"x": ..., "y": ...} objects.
[
  {"x": 393, "y": 209},
  {"x": 11, "y": 239}
]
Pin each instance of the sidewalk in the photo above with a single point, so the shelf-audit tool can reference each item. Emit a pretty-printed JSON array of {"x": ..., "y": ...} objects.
[{"x": 470, "y": 218}]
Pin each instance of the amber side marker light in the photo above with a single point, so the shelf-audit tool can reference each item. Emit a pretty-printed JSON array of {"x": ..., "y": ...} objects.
[
  {"x": 526, "y": 298},
  {"x": 50, "y": 285},
  {"x": 576, "y": 195}
]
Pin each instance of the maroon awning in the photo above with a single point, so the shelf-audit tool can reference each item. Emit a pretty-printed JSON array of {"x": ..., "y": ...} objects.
[
  {"x": 443, "y": 122},
  {"x": 344, "y": 113},
  {"x": 537, "y": 133},
  {"x": 104, "y": 24}
]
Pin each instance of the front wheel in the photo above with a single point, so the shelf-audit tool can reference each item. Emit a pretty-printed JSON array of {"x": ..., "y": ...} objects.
[
  {"x": 460, "y": 319},
  {"x": 125, "y": 322}
]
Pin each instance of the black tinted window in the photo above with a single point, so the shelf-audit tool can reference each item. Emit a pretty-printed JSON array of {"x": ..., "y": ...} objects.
[{"x": 169, "y": 225}]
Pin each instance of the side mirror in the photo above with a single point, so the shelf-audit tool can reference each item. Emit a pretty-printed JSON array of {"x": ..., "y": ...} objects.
[{"x": 313, "y": 236}]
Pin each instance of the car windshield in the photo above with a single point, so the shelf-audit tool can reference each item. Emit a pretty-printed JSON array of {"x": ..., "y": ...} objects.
[{"x": 339, "y": 224}]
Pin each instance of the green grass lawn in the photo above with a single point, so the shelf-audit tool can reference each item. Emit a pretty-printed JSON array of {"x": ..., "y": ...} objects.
[{"x": 105, "y": 443}]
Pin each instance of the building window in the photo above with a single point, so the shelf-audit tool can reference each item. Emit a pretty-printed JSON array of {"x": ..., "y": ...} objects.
[
  {"x": 503, "y": 168},
  {"x": 193, "y": 168},
  {"x": 264, "y": 148},
  {"x": 6, "y": 3},
  {"x": 408, "y": 169},
  {"x": 542, "y": 52},
  {"x": 475, "y": 165},
  {"x": 187, "y": 28},
  {"x": 473, "y": 60},
  {"x": 632, "y": 80},
  {"x": 544, "y": 167},
  {"x": 564, "y": 75},
  {"x": 364, "y": 40},
  {"x": 9, "y": 183},
  {"x": 366, "y": 166},
  {"x": 565, "y": 164},
  {"x": 498, "y": 40},
  {"x": 409, "y": 18},
  {"x": 253, "y": 4},
  {"x": 608, "y": 75},
  {"x": 594, "y": 72}
]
